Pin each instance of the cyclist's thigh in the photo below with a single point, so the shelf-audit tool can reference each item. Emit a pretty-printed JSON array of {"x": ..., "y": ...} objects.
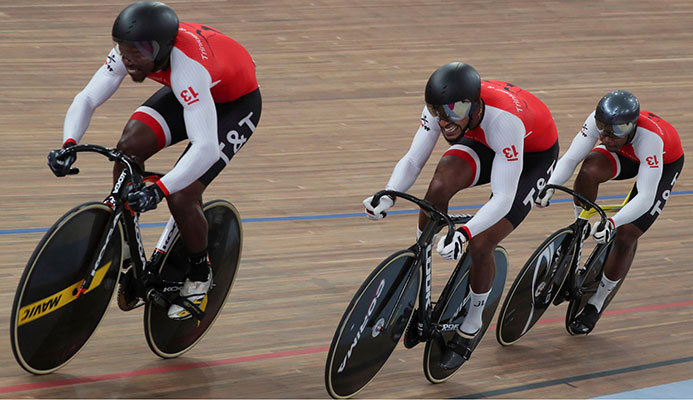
[
  {"x": 163, "y": 114},
  {"x": 478, "y": 156},
  {"x": 237, "y": 121},
  {"x": 536, "y": 169},
  {"x": 621, "y": 167},
  {"x": 670, "y": 173}
]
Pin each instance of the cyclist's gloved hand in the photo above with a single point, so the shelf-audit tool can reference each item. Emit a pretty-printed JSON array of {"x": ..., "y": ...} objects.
[
  {"x": 378, "y": 212},
  {"x": 452, "y": 250},
  {"x": 603, "y": 233},
  {"x": 61, "y": 165},
  {"x": 145, "y": 199},
  {"x": 544, "y": 196}
]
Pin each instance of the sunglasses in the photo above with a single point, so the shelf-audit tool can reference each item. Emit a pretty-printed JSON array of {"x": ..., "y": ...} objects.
[
  {"x": 618, "y": 130},
  {"x": 144, "y": 51},
  {"x": 455, "y": 111}
]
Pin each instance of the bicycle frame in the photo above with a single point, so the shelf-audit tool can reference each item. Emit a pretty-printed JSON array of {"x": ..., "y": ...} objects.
[
  {"x": 570, "y": 289},
  {"x": 423, "y": 248},
  {"x": 149, "y": 286}
]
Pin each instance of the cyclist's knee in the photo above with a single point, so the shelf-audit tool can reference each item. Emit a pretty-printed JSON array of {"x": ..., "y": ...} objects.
[
  {"x": 596, "y": 168},
  {"x": 626, "y": 237},
  {"x": 138, "y": 140},
  {"x": 181, "y": 201},
  {"x": 187, "y": 199},
  {"x": 438, "y": 192},
  {"x": 481, "y": 247}
]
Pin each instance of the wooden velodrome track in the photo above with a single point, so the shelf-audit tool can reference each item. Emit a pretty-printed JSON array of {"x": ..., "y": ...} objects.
[{"x": 342, "y": 83}]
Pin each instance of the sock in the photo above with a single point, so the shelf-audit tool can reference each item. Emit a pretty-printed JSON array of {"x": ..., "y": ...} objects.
[
  {"x": 199, "y": 266},
  {"x": 578, "y": 209},
  {"x": 605, "y": 287},
  {"x": 472, "y": 323}
]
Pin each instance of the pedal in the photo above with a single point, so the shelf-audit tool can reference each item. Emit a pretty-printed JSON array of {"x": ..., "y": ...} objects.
[{"x": 190, "y": 307}]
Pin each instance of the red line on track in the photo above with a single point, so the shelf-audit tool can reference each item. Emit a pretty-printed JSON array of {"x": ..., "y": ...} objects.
[{"x": 257, "y": 357}]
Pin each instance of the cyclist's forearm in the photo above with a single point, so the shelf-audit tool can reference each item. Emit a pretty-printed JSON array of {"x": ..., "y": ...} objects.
[
  {"x": 99, "y": 89},
  {"x": 563, "y": 171},
  {"x": 404, "y": 175},
  {"x": 579, "y": 149},
  {"x": 77, "y": 118}
]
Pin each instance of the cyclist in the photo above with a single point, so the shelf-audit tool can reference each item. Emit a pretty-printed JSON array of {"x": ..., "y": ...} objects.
[
  {"x": 210, "y": 96},
  {"x": 633, "y": 143},
  {"x": 498, "y": 133}
]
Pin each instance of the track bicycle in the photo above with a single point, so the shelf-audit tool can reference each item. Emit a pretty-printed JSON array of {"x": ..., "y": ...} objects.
[
  {"x": 382, "y": 308},
  {"x": 553, "y": 274},
  {"x": 72, "y": 275}
]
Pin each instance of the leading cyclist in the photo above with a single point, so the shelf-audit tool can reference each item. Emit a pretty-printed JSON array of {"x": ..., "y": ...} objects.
[{"x": 210, "y": 96}]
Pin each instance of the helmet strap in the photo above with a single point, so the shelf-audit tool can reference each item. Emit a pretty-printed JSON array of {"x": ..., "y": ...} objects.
[
  {"x": 631, "y": 135},
  {"x": 162, "y": 65},
  {"x": 472, "y": 112}
]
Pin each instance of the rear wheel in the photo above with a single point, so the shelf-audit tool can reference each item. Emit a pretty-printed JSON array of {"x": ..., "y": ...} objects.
[
  {"x": 372, "y": 324},
  {"x": 169, "y": 338},
  {"x": 450, "y": 312},
  {"x": 534, "y": 287},
  {"x": 48, "y": 324}
]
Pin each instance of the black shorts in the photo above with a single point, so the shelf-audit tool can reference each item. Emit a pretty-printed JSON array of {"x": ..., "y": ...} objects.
[
  {"x": 536, "y": 169},
  {"x": 625, "y": 168},
  {"x": 236, "y": 122}
]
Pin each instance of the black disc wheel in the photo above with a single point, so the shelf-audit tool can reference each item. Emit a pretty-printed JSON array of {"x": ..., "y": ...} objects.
[
  {"x": 169, "y": 338},
  {"x": 372, "y": 325},
  {"x": 49, "y": 324},
  {"x": 535, "y": 287},
  {"x": 450, "y": 312}
]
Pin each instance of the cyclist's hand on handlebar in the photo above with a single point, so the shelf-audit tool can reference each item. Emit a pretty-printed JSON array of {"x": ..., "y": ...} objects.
[
  {"x": 378, "y": 211},
  {"x": 145, "y": 199},
  {"x": 602, "y": 233},
  {"x": 61, "y": 165},
  {"x": 452, "y": 250},
  {"x": 544, "y": 197}
]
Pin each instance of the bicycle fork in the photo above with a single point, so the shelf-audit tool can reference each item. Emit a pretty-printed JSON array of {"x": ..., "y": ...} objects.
[
  {"x": 114, "y": 204},
  {"x": 105, "y": 241},
  {"x": 424, "y": 326}
]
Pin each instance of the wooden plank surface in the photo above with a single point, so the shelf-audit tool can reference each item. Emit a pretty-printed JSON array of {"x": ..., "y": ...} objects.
[{"x": 342, "y": 84}]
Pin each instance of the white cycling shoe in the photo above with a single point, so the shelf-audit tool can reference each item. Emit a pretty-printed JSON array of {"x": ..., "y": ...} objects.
[{"x": 195, "y": 292}]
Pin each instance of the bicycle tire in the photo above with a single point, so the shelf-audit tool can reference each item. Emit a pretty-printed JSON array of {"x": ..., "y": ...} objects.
[
  {"x": 444, "y": 314},
  {"x": 48, "y": 324},
  {"x": 587, "y": 280},
  {"x": 520, "y": 311},
  {"x": 354, "y": 358},
  {"x": 168, "y": 338}
]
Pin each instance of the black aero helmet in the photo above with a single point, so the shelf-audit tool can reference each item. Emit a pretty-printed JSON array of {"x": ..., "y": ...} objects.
[
  {"x": 454, "y": 88},
  {"x": 151, "y": 26},
  {"x": 620, "y": 109}
]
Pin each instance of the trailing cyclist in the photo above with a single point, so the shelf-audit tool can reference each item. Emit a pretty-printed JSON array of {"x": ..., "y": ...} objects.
[
  {"x": 499, "y": 133},
  {"x": 634, "y": 143},
  {"x": 210, "y": 96}
]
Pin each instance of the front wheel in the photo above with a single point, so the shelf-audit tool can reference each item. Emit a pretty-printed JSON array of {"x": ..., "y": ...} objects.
[
  {"x": 451, "y": 311},
  {"x": 535, "y": 287},
  {"x": 49, "y": 325},
  {"x": 372, "y": 324},
  {"x": 168, "y": 338}
]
